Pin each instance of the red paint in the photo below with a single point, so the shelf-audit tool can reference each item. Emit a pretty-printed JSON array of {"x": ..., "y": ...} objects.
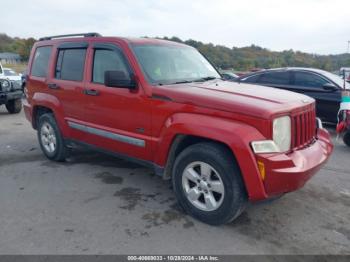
[{"x": 231, "y": 113}]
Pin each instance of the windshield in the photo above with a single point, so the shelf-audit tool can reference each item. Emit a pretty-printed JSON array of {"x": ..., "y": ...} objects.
[
  {"x": 337, "y": 79},
  {"x": 9, "y": 72},
  {"x": 172, "y": 64}
]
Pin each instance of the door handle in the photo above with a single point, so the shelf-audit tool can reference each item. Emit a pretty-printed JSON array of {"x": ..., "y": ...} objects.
[
  {"x": 91, "y": 92},
  {"x": 53, "y": 86}
]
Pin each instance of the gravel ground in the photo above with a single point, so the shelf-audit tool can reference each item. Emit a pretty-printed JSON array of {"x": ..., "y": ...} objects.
[{"x": 96, "y": 204}]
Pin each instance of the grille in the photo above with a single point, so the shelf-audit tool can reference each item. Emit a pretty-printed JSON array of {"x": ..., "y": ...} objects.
[{"x": 304, "y": 128}]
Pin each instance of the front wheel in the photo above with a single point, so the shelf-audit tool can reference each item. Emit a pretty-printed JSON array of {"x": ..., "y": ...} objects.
[
  {"x": 14, "y": 106},
  {"x": 208, "y": 183}
]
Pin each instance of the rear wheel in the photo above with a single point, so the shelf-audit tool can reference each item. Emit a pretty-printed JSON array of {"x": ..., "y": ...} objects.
[
  {"x": 14, "y": 106},
  {"x": 346, "y": 138},
  {"x": 208, "y": 183},
  {"x": 50, "y": 138}
]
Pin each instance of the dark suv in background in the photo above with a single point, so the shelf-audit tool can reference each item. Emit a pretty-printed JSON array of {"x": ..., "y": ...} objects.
[{"x": 323, "y": 86}]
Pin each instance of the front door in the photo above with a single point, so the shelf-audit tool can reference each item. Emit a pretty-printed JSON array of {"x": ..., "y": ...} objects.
[{"x": 117, "y": 119}]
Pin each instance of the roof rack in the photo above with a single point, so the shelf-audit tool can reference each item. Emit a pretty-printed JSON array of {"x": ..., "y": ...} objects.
[{"x": 69, "y": 35}]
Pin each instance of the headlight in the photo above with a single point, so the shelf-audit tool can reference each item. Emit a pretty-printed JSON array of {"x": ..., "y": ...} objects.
[
  {"x": 281, "y": 142},
  {"x": 5, "y": 86},
  {"x": 282, "y": 132},
  {"x": 17, "y": 85}
]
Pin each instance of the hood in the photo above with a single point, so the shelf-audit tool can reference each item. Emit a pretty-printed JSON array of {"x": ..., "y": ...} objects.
[
  {"x": 253, "y": 100},
  {"x": 14, "y": 78}
]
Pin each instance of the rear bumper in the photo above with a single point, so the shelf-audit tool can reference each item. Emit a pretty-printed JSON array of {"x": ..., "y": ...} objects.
[
  {"x": 288, "y": 172},
  {"x": 5, "y": 97}
]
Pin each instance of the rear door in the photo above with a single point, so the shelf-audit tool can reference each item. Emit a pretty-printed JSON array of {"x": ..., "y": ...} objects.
[
  {"x": 311, "y": 84},
  {"x": 67, "y": 82}
]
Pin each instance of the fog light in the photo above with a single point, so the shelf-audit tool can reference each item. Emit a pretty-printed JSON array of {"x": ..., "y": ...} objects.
[{"x": 261, "y": 167}]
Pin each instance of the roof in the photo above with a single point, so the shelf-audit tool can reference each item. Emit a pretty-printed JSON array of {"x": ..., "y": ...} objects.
[
  {"x": 129, "y": 40},
  {"x": 315, "y": 70},
  {"x": 8, "y": 55}
]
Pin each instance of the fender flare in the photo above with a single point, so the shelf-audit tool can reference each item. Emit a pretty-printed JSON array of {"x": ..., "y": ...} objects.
[
  {"x": 235, "y": 135},
  {"x": 51, "y": 102}
]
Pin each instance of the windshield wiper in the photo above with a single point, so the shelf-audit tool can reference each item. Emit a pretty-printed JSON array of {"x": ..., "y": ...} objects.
[
  {"x": 182, "y": 82},
  {"x": 203, "y": 79}
]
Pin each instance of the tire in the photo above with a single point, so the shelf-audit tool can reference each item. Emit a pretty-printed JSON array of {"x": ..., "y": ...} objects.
[
  {"x": 50, "y": 138},
  {"x": 14, "y": 106},
  {"x": 346, "y": 138},
  {"x": 230, "y": 197}
]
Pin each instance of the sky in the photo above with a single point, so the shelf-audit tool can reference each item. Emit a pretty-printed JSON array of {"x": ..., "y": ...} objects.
[{"x": 313, "y": 26}]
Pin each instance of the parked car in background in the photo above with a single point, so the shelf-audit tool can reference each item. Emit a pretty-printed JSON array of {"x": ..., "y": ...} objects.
[
  {"x": 228, "y": 75},
  {"x": 12, "y": 75},
  {"x": 323, "y": 86},
  {"x": 11, "y": 95}
]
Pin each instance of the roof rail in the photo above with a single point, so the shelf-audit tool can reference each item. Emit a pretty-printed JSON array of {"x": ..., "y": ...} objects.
[{"x": 69, "y": 35}]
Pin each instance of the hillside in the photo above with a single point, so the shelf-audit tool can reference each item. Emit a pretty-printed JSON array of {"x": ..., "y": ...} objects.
[
  {"x": 253, "y": 56},
  {"x": 243, "y": 58}
]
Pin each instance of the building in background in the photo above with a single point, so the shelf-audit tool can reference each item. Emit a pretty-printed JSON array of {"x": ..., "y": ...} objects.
[{"x": 9, "y": 58}]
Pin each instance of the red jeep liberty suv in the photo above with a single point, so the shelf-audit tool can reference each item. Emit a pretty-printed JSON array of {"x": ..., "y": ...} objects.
[{"x": 162, "y": 104}]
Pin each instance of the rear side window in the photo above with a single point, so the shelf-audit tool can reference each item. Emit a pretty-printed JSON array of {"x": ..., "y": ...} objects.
[
  {"x": 275, "y": 78},
  {"x": 308, "y": 80},
  {"x": 41, "y": 61},
  {"x": 70, "y": 64},
  {"x": 107, "y": 60}
]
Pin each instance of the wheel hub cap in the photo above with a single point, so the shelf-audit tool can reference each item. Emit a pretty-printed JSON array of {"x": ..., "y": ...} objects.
[
  {"x": 203, "y": 186},
  {"x": 48, "y": 137}
]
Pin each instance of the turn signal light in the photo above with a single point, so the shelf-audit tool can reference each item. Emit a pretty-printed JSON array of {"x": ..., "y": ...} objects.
[{"x": 262, "y": 170}]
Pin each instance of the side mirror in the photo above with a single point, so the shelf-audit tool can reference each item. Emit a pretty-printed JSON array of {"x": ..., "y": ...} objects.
[
  {"x": 329, "y": 87},
  {"x": 119, "y": 79}
]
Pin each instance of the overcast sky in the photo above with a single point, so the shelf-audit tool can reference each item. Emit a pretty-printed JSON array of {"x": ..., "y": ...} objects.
[{"x": 315, "y": 26}]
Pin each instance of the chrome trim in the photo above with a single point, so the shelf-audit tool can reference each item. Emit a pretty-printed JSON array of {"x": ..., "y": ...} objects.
[
  {"x": 319, "y": 123},
  {"x": 107, "y": 134}
]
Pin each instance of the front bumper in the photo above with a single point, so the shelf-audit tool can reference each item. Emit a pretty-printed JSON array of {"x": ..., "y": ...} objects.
[
  {"x": 288, "y": 172},
  {"x": 5, "y": 97}
]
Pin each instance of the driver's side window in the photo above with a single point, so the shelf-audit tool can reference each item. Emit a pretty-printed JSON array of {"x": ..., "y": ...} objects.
[{"x": 107, "y": 60}]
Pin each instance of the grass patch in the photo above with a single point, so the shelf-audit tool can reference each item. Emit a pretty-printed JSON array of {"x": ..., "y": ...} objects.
[{"x": 19, "y": 68}]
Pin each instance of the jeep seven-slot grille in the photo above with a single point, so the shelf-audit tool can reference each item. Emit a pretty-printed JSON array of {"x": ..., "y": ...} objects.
[{"x": 304, "y": 128}]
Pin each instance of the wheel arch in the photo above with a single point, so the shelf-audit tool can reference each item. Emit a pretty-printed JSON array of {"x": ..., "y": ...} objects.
[
  {"x": 181, "y": 131},
  {"x": 46, "y": 103}
]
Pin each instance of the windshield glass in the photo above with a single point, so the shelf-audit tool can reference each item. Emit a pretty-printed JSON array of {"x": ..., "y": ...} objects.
[
  {"x": 9, "y": 72},
  {"x": 170, "y": 64},
  {"x": 337, "y": 79}
]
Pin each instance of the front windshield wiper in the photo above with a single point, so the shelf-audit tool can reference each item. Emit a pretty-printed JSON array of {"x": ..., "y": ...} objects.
[
  {"x": 182, "y": 82},
  {"x": 203, "y": 79}
]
